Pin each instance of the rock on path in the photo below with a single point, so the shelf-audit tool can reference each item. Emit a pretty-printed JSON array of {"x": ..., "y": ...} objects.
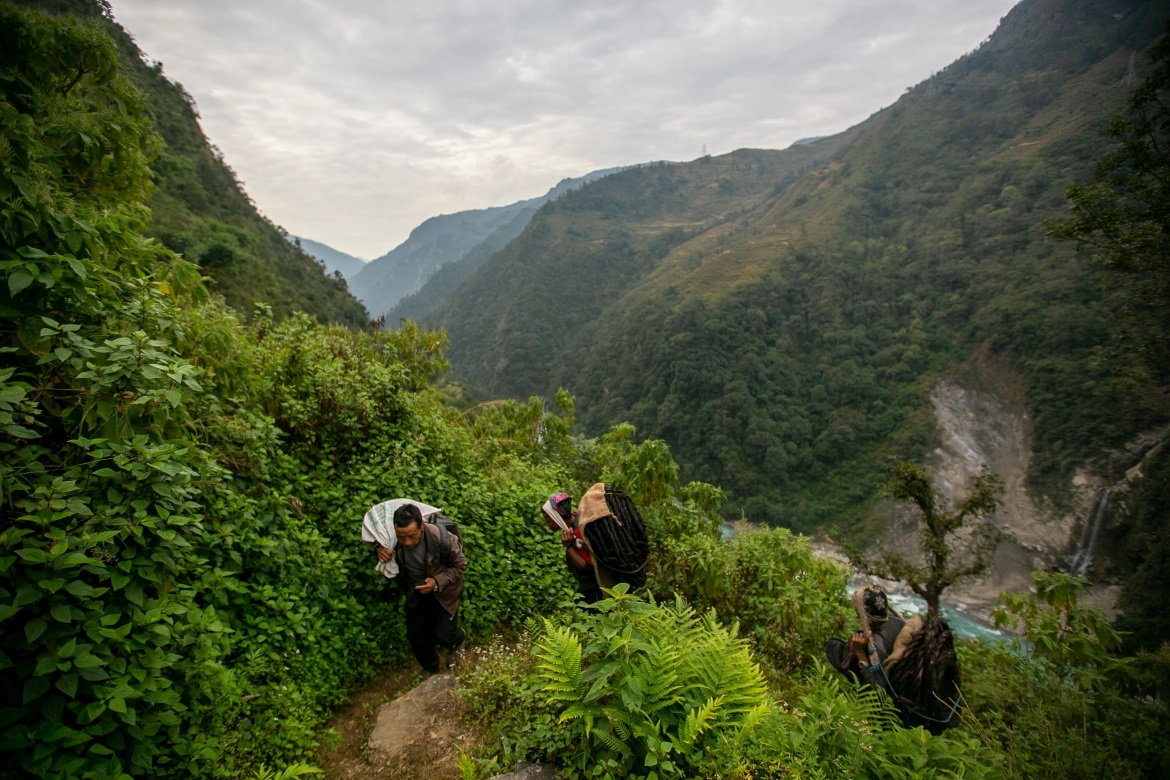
[
  {"x": 413, "y": 715},
  {"x": 419, "y": 735}
]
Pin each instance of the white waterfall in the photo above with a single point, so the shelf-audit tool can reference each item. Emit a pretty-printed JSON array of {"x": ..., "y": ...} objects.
[{"x": 1082, "y": 558}]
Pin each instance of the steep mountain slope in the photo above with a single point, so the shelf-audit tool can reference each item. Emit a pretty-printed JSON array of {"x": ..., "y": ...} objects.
[
  {"x": 334, "y": 259},
  {"x": 201, "y": 211},
  {"x": 418, "y": 305},
  {"x": 448, "y": 239},
  {"x": 525, "y": 321},
  {"x": 781, "y": 336},
  {"x": 431, "y": 245}
]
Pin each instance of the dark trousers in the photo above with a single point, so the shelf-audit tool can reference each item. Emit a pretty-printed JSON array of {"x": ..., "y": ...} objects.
[
  {"x": 428, "y": 627},
  {"x": 591, "y": 595}
]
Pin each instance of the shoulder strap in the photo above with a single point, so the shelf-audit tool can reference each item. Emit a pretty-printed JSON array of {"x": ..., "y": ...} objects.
[
  {"x": 444, "y": 545},
  {"x": 400, "y": 558}
]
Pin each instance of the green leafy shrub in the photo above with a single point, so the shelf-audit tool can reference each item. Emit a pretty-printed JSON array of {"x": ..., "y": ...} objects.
[
  {"x": 503, "y": 693},
  {"x": 108, "y": 652},
  {"x": 786, "y": 598},
  {"x": 635, "y": 689},
  {"x": 827, "y": 728},
  {"x": 1060, "y": 704},
  {"x": 645, "y": 689}
]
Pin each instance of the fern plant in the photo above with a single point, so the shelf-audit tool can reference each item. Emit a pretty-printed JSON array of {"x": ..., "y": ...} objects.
[{"x": 646, "y": 687}]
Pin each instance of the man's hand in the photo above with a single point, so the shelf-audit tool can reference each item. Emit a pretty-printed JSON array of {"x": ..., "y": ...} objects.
[
  {"x": 384, "y": 554},
  {"x": 859, "y": 644},
  {"x": 430, "y": 586}
]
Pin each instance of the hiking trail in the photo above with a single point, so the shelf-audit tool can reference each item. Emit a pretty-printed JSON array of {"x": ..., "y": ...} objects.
[{"x": 404, "y": 728}]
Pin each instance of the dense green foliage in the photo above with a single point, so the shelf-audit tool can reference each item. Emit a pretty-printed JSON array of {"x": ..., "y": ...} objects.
[
  {"x": 98, "y": 476},
  {"x": 646, "y": 688},
  {"x": 1057, "y": 704},
  {"x": 1139, "y": 544},
  {"x": 181, "y": 586},
  {"x": 1067, "y": 707},
  {"x": 781, "y": 328},
  {"x": 822, "y": 728},
  {"x": 1122, "y": 216},
  {"x": 786, "y": 597}
]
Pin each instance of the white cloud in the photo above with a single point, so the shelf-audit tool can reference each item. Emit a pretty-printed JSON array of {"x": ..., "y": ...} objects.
[{"x": 351, "y": 122}]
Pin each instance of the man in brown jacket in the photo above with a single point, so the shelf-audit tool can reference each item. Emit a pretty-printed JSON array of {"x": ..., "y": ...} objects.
[{"x": 430, "y": 574}]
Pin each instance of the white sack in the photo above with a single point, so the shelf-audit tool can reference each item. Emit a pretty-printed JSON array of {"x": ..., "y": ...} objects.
[{"x": 378, "y": 526}]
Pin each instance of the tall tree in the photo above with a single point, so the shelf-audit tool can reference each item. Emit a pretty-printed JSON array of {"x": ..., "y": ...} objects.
[{"x": 941, "y": 565}]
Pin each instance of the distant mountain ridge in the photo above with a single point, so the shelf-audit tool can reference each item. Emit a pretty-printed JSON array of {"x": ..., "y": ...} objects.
[
  {"x": 334, "y": 260},
  {"x": 419, "y": 305},
  {"x": 447, "y": 239}
]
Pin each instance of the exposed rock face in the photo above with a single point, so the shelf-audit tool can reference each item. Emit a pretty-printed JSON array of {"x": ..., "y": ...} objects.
[
  {"x": 978, "y": 430},
  {"x": 989, "y": 426}
]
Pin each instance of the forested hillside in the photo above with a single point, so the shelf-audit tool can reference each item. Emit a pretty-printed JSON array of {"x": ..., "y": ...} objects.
[
  {"x": 333, "y": 259},
  {"x": 433, "y": 244},
  {"x": 593, "y": 246},
  {"x": 418, "y": 305},
  {"x": 200, "y": 210},
  {"x": 782, "y": 332}
]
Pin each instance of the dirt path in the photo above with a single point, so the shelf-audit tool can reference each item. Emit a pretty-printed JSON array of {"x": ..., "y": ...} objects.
[{"x": 431, "y": 756}]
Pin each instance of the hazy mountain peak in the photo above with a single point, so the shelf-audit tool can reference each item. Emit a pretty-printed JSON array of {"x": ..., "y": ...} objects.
[
  {"x": 332, "y": 259},
  {"x": 446, "y": 239}
]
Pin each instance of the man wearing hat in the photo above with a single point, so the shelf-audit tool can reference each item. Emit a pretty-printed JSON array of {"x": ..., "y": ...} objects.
[{"x": 860, "y": 659}]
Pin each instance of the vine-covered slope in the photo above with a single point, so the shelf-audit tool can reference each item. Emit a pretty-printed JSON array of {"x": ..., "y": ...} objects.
[{"x": 199, "y": 209}]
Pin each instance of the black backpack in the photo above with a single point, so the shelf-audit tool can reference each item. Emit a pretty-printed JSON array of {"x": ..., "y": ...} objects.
[
  {"x": 447, "y": 528},
  {"x": 618, "y": 541}
]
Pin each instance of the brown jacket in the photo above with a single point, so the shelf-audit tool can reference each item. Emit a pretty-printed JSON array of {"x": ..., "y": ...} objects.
[{"x": 449, "y": 578}]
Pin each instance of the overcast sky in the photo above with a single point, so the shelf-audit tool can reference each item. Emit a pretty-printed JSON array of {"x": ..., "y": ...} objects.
[{"x": 352, "y": 121}]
